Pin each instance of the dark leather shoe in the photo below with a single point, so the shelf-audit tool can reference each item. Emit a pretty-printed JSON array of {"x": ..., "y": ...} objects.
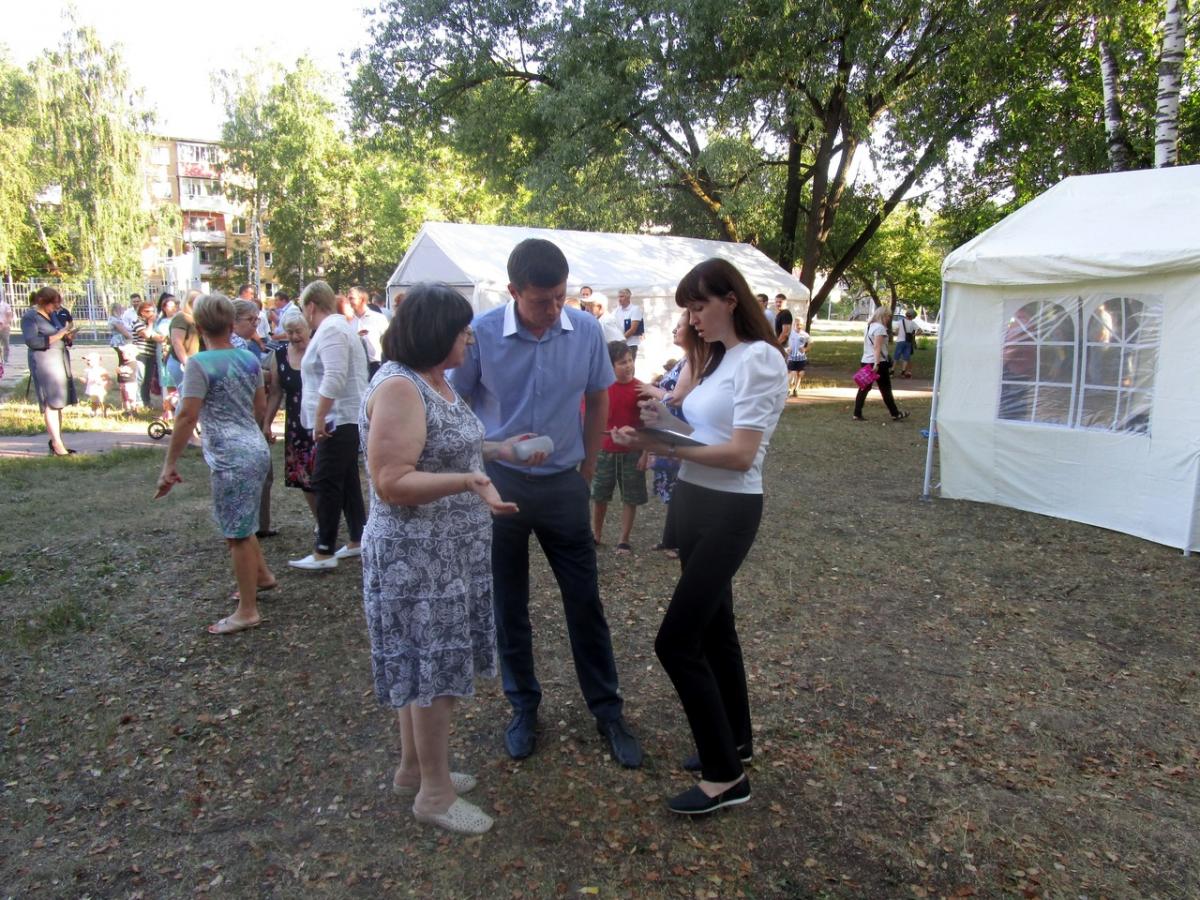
[
  {"x": 745, "y": 754},
  {"x": 694, "y": 802},
  {"x": 621, "y": 742},
  {"x": 520, "y": 737}
]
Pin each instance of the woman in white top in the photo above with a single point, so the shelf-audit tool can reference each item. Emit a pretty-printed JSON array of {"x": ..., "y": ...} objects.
[
  {"x": 334, "y": 376},
  {"x": 875, "y": 354},
  {"x": 716, "y": 509}
]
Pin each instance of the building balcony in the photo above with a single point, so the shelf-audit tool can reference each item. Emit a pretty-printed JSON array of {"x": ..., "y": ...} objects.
[
  {"x": 204, "y": 203},
  {"x": 203, "y": 236}
]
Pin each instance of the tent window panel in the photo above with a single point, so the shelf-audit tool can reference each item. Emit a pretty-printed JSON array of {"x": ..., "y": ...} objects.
[
  {"x": 1056, "y": 364},
  {"x": 1121, "y": 356},
  {"x": 1053, "y": 406},
  {"x": 1016, "y": 402},
  {"x": 1098, "y": 409}
]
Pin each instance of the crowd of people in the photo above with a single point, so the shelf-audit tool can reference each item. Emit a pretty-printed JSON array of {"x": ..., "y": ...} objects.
[{"x": 478, "y": 433}]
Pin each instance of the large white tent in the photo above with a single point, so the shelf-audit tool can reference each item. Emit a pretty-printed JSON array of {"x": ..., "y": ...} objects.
[
  {"x": 1068, "y": 380},
  {"x": 473, "y": 258}
]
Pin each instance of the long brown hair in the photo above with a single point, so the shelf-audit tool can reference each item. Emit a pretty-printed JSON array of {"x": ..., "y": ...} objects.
[
  {"x": 696, "y": 351},
  {"x": 714, "y": 278}
]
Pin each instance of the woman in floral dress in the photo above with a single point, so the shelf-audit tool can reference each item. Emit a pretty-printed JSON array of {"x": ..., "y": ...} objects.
[
  {"x": 286, "y": 391},
  {"x": 223, "y": 389},
  {"x": 427, "y": 573}
]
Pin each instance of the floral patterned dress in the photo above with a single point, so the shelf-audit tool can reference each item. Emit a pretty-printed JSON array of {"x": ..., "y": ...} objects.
[
  {"x": 299, "y": 451},
  {"x": 427, "y": 570},
  {"x": 234, "y": 446}
]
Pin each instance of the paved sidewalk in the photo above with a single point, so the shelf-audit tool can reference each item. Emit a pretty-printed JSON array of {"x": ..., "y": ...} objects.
[{"x": 81, "y": 441}]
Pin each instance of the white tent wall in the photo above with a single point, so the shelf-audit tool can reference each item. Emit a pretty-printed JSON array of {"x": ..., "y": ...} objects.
[
  {"x": 1140, "y": 484},
  {"x": 473, "y": 259}
]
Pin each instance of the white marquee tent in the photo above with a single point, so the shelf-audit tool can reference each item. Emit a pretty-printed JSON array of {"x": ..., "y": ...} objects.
[
  {"x": 1068, "y": 380},
  {"x": 473, "y": 258}
]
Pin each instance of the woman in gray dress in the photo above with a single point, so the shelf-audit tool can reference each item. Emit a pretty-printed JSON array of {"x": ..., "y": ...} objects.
[
  {"x": 49, "y": 365},
  {"x": 223, "y": 390},
  {"x": 427, "y": 574}
]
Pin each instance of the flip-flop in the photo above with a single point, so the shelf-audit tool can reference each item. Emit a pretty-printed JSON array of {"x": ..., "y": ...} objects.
[
  {"x": 225, "y": 626},
  {"x": 623, "y": 549},
  {"x": 236, "y": 596}
]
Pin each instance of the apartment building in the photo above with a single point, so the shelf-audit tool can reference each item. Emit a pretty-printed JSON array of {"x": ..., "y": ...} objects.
[{"x": 186, "y": 174}]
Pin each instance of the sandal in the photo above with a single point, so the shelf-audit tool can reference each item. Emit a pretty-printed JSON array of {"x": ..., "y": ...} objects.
[
  {"x": 461, "y": 818},
  {"x": 623, "y": 549},
  {"x": 228, "y": 626}
]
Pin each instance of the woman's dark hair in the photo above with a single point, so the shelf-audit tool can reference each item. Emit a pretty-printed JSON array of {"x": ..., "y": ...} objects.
[
  {"x": 537, "y": 262},
  {"x": 45, "y": 295},
  {"x": 162, "y": 300},
  {"x": 696, "y": 349},
  {"x": 426, "y": 325},
  {"x": 717, "y": 278}
]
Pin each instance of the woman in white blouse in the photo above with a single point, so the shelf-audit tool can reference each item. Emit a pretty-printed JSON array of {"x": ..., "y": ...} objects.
[
  {"x": 875, "y": 354},
  {"x": 716, "y": 509},
  {"x": 333, "y": 373}
]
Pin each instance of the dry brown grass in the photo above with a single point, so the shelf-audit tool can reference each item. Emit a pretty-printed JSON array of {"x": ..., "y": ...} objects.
[{"x": 950, "y": 700}]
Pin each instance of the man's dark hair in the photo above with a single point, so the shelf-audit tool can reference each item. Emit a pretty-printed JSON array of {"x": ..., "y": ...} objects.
[
  {"x": 781, "y": 297},
  {"x": 762, "y": 298},
  {"x": 135, "y": 298},
  {"x": 537, "y": 262},
  {"x": 244, "y": 288},
  {"x": 617, "y": 350},
  {"x": 283, "y": 295},
  {"x": 426, "y": 325}
]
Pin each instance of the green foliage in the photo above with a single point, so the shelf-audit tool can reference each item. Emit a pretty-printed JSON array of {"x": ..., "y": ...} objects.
[
  {"x": 89, "y": 130},
  {"x": 16, "y": 149}
]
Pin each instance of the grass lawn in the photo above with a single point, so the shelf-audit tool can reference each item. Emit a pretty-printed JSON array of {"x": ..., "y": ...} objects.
[{"x": 950, "y": 699}]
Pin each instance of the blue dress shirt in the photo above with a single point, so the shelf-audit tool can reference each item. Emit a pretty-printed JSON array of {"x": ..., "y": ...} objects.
[{"x": 518, "y": 383}]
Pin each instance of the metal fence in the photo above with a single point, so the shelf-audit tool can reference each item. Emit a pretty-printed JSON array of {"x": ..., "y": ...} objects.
[{"x": 89, "y": 301}]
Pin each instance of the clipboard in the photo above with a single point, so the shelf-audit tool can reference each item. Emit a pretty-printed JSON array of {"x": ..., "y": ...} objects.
[{"x": 672, "y": 438}]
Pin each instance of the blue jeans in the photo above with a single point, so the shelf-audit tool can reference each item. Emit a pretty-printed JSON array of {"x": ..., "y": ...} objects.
[{"x": 554, "y": 508}]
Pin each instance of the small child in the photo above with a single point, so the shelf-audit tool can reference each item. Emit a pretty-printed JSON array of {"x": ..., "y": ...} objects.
[
  {"x": 797, "y": 359},
  {"x": 127, "y": 377},
  {"x": 617, "y": 464},
  {"x": 95, "y": 383}
]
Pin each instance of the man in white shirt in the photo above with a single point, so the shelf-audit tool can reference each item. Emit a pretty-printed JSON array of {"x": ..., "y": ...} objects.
[
  {"x": 607, "y": 318},
  {"x": 283, "y": 306},
  {"x": 370, "y": 326},
  {"x": 629, "y": 320}
]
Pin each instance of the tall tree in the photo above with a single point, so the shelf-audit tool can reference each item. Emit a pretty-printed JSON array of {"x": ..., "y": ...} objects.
[
  {"x": 16, "y": 145},
  {"x": 1170, "y": 65},
  {"x": 90, "y": 126},
  {"x": 248, "y": 162},
  {"x": 708, "y": 103}
]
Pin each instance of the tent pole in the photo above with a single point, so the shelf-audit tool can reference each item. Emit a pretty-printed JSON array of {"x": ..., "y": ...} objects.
[{"x": 937, "y": 380}]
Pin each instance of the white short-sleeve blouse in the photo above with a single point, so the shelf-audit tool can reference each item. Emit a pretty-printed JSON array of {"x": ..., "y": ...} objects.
[{"x": 748, "y": 390}]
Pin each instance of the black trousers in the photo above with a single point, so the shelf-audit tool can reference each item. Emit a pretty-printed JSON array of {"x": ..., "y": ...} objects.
[
  {"x": 885, "y": 390},
  {"x": 335, "y": 482},
  {"x": 554, "y": 508},
  {"x": 697, "y": 642}
]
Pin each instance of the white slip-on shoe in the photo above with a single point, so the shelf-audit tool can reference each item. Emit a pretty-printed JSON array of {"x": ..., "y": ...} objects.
[
  {"x": 312, "y": 564},
  {"x": 348, "y": 552},
  {"x": 461, "y": 818}
]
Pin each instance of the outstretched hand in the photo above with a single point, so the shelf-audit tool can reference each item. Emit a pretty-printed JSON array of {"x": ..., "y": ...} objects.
[
  {"x": 167, "y": 480},
  {"x": 655, "y": 413},
  {"x": 482, "y": 485}
]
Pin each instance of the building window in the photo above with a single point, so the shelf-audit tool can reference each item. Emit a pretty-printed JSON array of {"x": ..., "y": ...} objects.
[
  {"x": 239, "y": 224},
  {"x": 161, "y": 189},
  {"x": 268, "y": 289},
  {"x": 241, "y": 258},
  {"x": 268, "y": 259},
  {"x": 200, "y": 187},
  {"x": 1081, "y": 362},
  {"x": 160, "y": 156},
  {"x": 198, "y": 153},
  {"x": 212, "y": 256}
]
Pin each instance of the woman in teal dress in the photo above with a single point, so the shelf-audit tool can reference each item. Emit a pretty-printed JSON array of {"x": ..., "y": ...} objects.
[{"x": 223, "y": 390}]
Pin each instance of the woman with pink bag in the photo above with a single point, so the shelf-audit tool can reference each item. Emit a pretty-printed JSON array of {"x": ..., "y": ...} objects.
[{"x": 875, "y": 361}]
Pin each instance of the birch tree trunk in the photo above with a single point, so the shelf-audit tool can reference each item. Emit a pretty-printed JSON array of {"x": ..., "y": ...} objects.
[
  {"x": 1114, "y": 117},
  {"x": 1166, "y": 118}
]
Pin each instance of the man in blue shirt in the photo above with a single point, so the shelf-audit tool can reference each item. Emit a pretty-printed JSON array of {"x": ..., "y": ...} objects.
[{"x": 532, "y": 363}]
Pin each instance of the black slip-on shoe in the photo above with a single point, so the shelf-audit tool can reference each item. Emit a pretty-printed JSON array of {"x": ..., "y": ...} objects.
[
  {"x": 694, "y": 802},
  {"x": 520, "y": 736}
]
